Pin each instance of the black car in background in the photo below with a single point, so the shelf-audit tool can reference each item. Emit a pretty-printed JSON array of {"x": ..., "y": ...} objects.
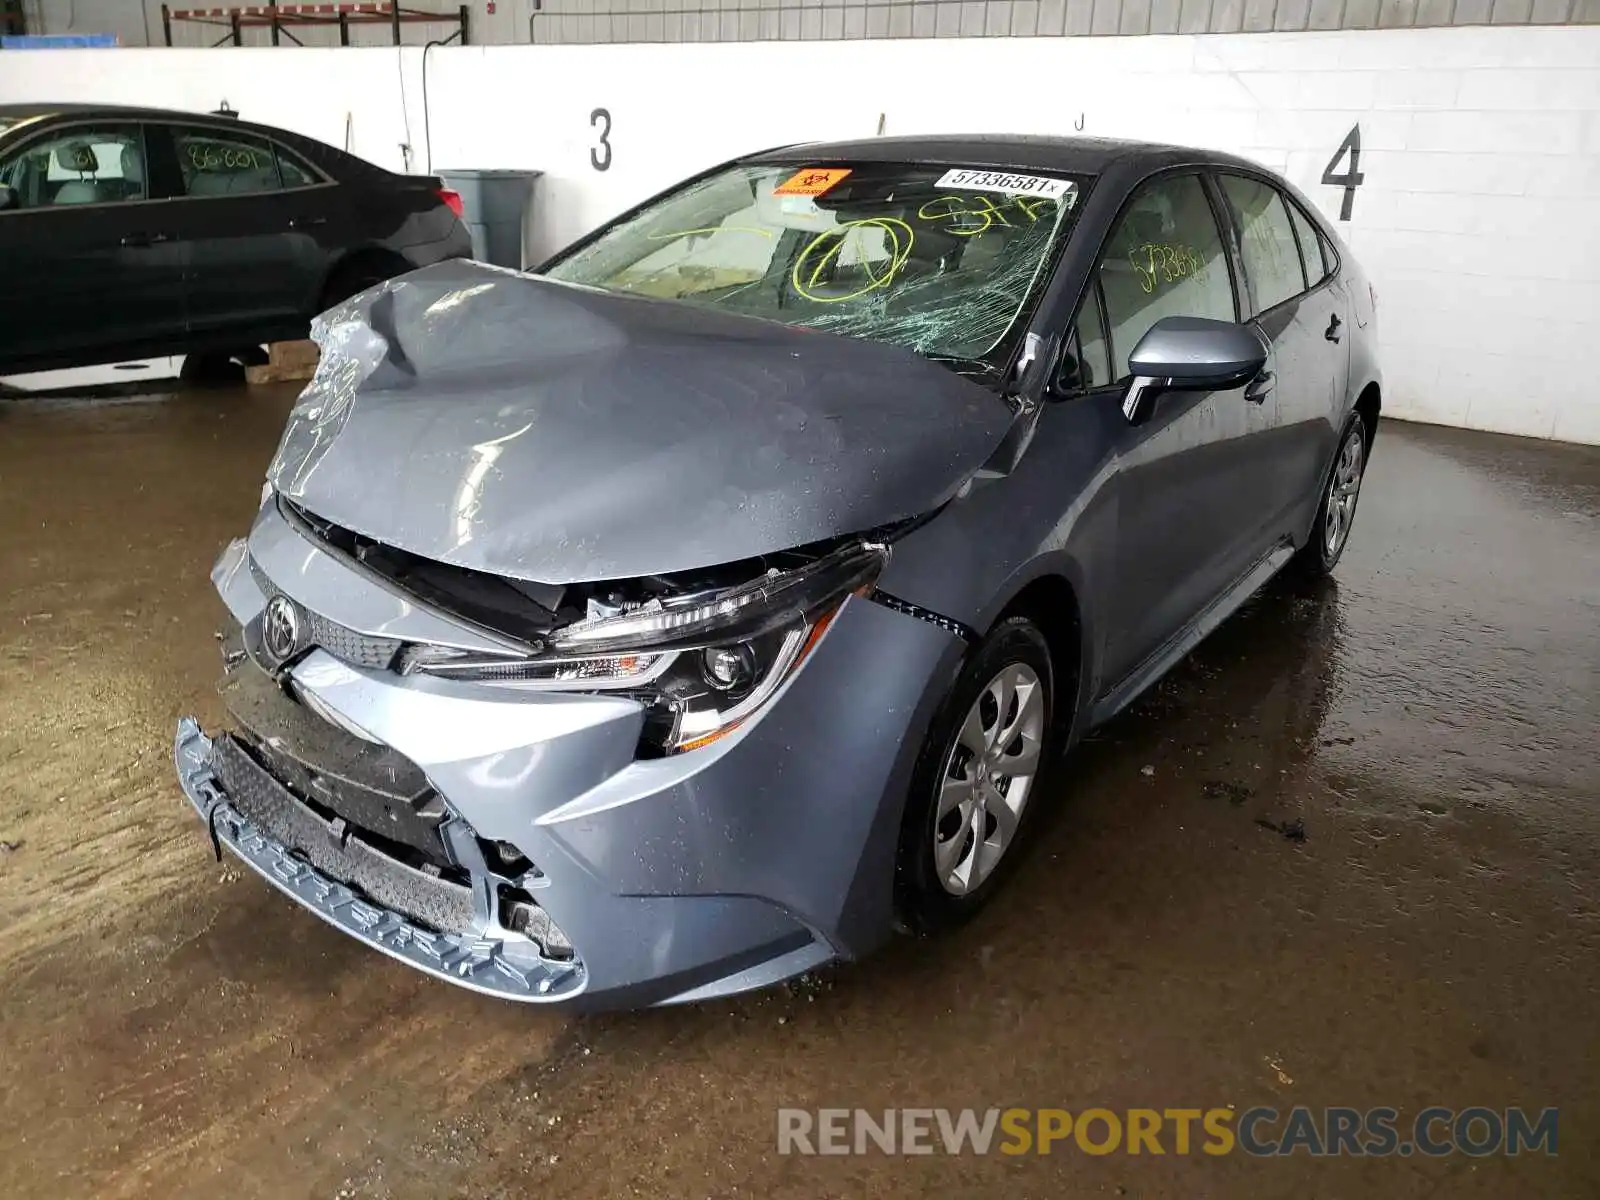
[{"x": 130, "y": 232}]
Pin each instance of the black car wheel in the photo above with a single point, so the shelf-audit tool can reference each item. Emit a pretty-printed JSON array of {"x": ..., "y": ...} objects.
[
  {"x": 1336, "y": 505},
  {"x": 973, "y": 788},
  {"x": 219, "y": 370},
  {"x": 357, "y": 275}
]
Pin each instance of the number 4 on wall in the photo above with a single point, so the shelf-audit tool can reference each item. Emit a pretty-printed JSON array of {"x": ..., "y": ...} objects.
[{"x": 1351, "y": 179}]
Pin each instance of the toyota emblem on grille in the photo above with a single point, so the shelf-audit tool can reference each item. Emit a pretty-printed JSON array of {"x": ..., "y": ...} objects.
[{"x": 280, "y": 628}]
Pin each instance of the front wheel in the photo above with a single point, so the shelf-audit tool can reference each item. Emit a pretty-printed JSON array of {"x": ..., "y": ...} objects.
[
  {"x": 1336, "y": 506},
  {"x": 972, "y": 791}
]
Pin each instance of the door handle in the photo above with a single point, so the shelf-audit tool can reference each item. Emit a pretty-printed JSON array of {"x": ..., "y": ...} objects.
[
  {"x": 1260, "y": 387},
  {"x": 145, "y": 239},
  {"x": 306, "y": 222},
  {"x": 1332, "y": 332}
]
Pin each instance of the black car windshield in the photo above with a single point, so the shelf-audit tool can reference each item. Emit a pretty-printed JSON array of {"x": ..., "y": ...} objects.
[{"x": 941, "y": 260}]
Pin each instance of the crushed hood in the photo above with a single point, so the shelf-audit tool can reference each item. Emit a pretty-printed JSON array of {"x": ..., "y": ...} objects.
[{"x": 511, "y": 424}]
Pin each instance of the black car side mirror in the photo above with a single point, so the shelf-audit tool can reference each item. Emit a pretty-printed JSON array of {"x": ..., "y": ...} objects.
[
  {"x": 8, "y": 197},
  {"x": 1191, "y": 354}
]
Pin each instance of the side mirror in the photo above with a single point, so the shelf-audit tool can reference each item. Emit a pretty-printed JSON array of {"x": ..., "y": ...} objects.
[
  {"x": 8, "y": 197},
  {"x": 1191, "y": 354}
]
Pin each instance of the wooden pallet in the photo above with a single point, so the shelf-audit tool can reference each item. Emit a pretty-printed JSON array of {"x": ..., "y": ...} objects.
[{"x": 285, "y": 361}]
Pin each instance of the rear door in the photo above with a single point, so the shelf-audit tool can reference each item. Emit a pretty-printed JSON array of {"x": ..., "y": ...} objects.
[
  {"x": 92, "y": 269},
  {"x": 1183, "y": 484},
  {"x": 1315, "y": 424},
  {"x": 252, "y": 226},
  {"x": 1298, "y": 306}
]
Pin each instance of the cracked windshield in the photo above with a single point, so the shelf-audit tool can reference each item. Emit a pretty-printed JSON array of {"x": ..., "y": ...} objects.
[{"x": 942, "y": 261}]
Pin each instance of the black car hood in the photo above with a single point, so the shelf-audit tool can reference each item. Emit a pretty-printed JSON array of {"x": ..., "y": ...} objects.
[{"x": 515, "y": 425}]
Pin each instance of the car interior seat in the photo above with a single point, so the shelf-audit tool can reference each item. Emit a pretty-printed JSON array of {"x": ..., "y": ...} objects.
[
  {"x": 133, "y": 183},
  {"x": 234, "y": 183},
  {"x": 81, "y": 158}
]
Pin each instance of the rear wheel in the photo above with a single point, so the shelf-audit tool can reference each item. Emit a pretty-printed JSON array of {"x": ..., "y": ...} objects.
[
  {"x": 1336, "y": 507},
  {"x": 972, "y": 792},
  {"x": 219, "y": 369},
  {"x": 357, "y": 275}
]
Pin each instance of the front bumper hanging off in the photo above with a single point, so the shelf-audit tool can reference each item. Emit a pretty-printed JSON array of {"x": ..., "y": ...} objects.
[
  {"x": 512, "y": 841},
  {"x": 467, "y": 957}
]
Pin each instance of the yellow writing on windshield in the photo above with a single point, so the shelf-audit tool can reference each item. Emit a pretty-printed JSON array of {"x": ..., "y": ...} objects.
[
  {"x": 968, "y": 216},
  {"x": 818, "y": 263}
]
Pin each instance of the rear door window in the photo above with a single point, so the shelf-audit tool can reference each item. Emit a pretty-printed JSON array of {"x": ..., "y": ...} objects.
[
  {"x": 218, "y": 163},
  {"x": 1266, "y": 241},
  {"x": 1163, "y": 259}
]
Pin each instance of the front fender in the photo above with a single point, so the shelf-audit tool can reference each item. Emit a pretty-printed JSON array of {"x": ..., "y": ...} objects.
[{"x": 1055, "y": 514}]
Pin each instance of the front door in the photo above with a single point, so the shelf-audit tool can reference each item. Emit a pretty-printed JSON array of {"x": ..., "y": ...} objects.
[
  {"x": 93, "y": 270},
  {"x": 1184, "y": 476}
]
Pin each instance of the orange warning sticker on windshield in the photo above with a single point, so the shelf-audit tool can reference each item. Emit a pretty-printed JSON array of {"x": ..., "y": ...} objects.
[{"x": 812, "y": 181}]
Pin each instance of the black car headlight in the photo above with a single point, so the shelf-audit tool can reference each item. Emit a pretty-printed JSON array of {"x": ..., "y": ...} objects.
[{"x": 703, "y": 664}]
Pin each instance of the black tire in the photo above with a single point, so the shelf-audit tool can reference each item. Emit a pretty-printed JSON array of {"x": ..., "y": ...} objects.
[
  {"x": 1317, "y": 558},
  {"x": 218, "y": 369},
  {"x": 351, "y": 278},
  {"x": 923, "y": 904}
]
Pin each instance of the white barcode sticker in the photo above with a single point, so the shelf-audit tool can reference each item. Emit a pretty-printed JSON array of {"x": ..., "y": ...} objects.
[{"x": 1008, "y": 182}]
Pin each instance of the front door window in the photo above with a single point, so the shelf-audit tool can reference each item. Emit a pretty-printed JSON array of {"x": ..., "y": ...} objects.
[
  {"x": 1164, "y": 259},
  {"x": 81, "y": 165}
]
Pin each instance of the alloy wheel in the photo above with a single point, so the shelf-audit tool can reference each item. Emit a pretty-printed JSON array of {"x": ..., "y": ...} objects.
[
  {"x": 1343, "y": 491},
  {"x": 988, "y": 773}
]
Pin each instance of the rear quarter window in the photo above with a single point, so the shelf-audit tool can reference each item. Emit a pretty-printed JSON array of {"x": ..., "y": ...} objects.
[{"x": 1314, "y": 251}]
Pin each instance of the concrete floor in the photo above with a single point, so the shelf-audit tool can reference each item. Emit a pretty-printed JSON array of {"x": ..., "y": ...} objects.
[{"x": 169, "y": 1027}]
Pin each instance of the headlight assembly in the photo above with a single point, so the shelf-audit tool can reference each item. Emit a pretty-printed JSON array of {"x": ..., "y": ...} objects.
[{"x": 703, "y": 664}]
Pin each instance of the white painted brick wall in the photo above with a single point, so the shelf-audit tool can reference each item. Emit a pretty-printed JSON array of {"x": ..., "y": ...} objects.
[{"x": 1480, "y": 147}]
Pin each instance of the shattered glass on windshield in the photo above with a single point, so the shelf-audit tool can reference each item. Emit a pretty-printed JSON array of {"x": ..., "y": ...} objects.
[{"x": 940, "y": 262}]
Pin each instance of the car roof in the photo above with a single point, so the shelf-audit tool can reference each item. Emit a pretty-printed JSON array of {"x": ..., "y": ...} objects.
[
  {"x": 45, "y": 109},
  {"x": 126, "y": 112},
  {"x": 336, "y": 162},
  {"x": 1070, "y": 155}
]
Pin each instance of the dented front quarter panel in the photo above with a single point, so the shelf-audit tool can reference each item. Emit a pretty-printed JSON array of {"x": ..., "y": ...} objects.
[
  {"x": 676, "y": 878},
  {"x": 518, "y": 426},
  {"x": 1053, "y": 513}
]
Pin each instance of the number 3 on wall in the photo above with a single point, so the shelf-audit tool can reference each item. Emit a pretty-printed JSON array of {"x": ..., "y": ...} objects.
[
  {"x": 1351, "y": 179},
  {"x": 600, "y": 152}
]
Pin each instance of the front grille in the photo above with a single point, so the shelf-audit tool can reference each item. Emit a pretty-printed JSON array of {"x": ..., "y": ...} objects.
[
  {"x": 357, "y": 649},
  {"x": 373, "y": 787},
  {"x": 346, "y": 644}
]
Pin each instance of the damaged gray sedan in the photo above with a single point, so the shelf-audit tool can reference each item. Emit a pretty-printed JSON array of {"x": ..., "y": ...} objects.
[{"x": 706, "y": 605}]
